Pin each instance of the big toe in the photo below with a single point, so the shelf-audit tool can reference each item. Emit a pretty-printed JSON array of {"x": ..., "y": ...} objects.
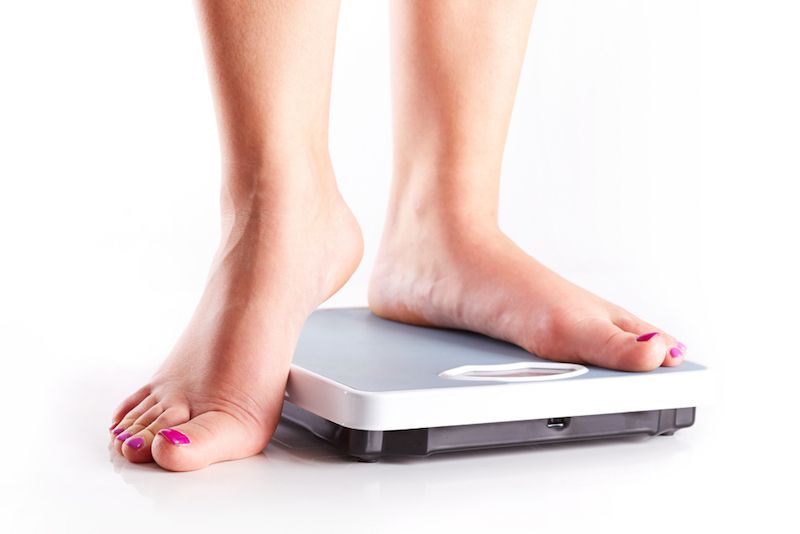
[
  {"x": 605, "y": 344},
  {"x": 674, "y": 351},
  {"x": 208, "y": 438}
]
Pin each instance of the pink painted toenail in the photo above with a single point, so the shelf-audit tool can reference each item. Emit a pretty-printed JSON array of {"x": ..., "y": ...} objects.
[
  {"x": 647, "y": 337},
  {"x": 175, "y": 437},
  {"x": 675, "y": 352},
  {"x": 135, "y": 443},
  {"x": 681, "y": 346},
  {"x": 118, "y": 431},
  {"x": 123, "y": 436}
]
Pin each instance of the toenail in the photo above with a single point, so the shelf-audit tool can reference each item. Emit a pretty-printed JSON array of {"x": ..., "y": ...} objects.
[
  {"x": 123, "y": 436},
  {"x": 135, "y": 443},
  {"x": 675, "y": 352},
  {"x": 647, "y": 337},
  {"x": 681, "y": 346},
  {"x": 175, "y": 437},
  {"x": 118, "y": 431}
]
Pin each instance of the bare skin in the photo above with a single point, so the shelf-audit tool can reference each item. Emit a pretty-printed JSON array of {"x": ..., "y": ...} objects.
[
  {"x": 443, "y": 260},
  {"x": 289, "y": 241}
]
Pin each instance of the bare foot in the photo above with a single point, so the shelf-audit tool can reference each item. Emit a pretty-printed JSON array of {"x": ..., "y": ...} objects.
[
  {"x": 475, "y": 278},
  {"x": 218, "y": 395}
]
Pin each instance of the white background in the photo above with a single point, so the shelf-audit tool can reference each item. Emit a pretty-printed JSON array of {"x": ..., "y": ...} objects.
[{"x": 653, "y": 157}]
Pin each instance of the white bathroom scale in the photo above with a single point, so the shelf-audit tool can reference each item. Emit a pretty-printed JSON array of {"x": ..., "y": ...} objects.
[{"x": 375, "y": 388}]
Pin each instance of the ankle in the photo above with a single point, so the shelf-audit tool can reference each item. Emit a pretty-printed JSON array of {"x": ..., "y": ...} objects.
[
  {"x": 437, "y": 216},
  {"x": 449, "y": 198},
  {"x": 277, "y": 182}
]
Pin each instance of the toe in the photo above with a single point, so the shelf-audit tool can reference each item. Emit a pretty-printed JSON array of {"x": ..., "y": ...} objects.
[
  {"x": 137, "y": 426},
  {"x": 676, "y": 353},
  {"x": 603, "y": 343},
  {"x": 127, "y": 405},
  {"x": 208, "y": 438},
  {"x": 136, "y": 448},
  {"x": 120, "y": 432},
  {"x": 674, "y": 350}
]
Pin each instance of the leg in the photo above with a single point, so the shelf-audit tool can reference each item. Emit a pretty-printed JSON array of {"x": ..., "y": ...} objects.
[
  {"x": 288, "y": 240},
  {"x": 443, "y": 260}
]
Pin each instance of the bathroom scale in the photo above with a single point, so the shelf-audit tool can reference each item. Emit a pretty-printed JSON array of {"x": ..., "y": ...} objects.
[{"x": 375, "y": 388}]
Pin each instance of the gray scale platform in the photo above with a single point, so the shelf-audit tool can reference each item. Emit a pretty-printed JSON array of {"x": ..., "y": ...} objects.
[{"x": 363, "y": 383}]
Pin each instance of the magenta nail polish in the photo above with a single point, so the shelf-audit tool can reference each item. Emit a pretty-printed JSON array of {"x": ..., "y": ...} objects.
[
  {"x": 118, "y": 431},
  {"x": 675, "y": 352},
  {"x": 175, "y": 437},
  {"x": 135, "y": 443},
  {"x": 123, "y": 436},
  {"x": 647, "y": 337},
  {"x": 681, "y": 346}
]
